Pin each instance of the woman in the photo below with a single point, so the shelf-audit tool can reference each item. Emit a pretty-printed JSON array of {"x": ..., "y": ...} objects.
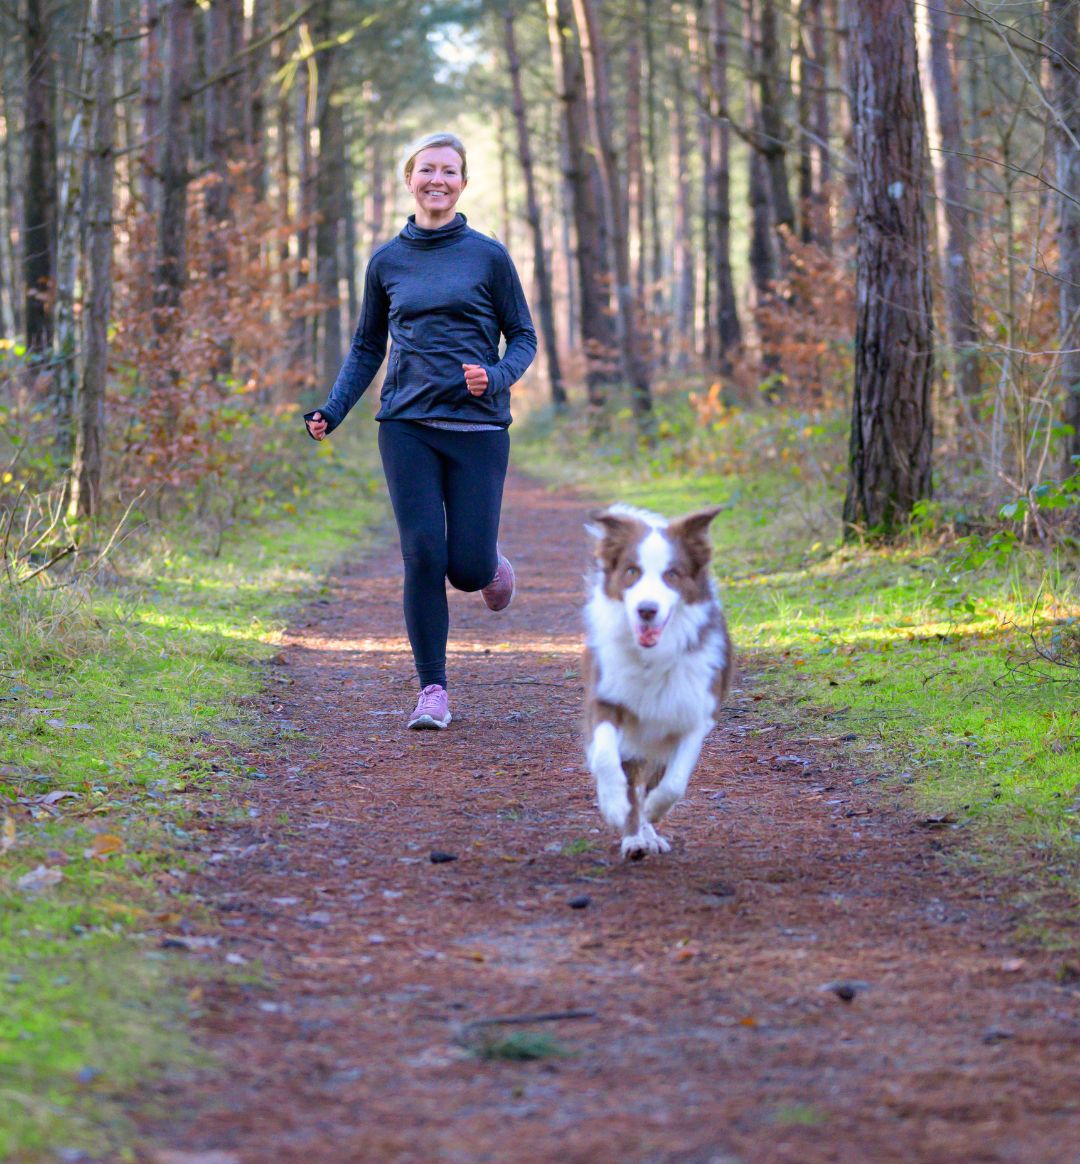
[{"x": 445, "y": 293}]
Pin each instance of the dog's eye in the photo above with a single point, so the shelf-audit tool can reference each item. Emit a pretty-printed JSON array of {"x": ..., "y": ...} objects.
[
  {"x": 672, "y": 575},
  {"x": 632, "y": 573}
]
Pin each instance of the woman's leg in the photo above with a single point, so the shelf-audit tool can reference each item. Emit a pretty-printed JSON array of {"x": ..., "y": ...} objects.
[
  {"x": 415, "y": 478},
  {"x": 475, "y": 464}
]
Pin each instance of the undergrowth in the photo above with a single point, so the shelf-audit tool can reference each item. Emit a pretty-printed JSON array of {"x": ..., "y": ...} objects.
[{"x": 117, "y": 690}]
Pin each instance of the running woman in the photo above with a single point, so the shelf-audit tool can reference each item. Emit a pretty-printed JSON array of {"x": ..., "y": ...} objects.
[{"x": 445, "y": 294}]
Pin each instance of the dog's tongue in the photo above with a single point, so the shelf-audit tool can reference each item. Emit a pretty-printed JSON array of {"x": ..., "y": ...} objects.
[{"x": 648, "y": 636}]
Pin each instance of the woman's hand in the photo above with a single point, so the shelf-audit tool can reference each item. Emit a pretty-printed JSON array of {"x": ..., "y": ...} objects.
[
  {"x": 317, "y": 426},
  {"x": 476, "y": 379}
]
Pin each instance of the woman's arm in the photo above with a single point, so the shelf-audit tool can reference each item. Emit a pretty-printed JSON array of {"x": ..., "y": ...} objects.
[
  {"x": 515, "y": 323},
  {"x": 365, "y": 355}
]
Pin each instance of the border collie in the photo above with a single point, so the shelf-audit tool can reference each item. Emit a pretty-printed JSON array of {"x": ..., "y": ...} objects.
[{"x": 657, "y": 665}]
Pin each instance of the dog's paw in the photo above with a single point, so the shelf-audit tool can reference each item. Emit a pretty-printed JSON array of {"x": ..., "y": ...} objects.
[{"x": 642, "y": 843}]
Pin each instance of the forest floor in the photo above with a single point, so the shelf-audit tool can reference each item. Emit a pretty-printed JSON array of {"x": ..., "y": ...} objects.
[{"x": 812, "y": 974}]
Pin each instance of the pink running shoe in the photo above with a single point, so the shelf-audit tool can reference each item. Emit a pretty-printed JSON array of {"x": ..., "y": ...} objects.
[
  {"x": 499, "y": 592},
  {"x": 432, "y": 708}
]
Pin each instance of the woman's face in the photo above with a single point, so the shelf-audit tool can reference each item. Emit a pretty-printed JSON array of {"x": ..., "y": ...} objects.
[{"x": 436, "y": 182}]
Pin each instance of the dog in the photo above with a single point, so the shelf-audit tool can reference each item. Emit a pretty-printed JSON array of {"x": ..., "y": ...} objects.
[{"x": 657, "y": 665}]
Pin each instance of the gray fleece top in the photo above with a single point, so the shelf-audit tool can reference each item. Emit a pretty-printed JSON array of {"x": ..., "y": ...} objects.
[{"x": 444, "y": 296}]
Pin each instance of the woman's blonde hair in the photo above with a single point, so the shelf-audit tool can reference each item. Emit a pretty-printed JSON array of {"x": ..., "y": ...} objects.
[{"x": 431, "y": 141}]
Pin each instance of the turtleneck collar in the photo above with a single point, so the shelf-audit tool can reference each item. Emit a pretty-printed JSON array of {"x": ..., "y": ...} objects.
[{"x": 420, "y": 236}]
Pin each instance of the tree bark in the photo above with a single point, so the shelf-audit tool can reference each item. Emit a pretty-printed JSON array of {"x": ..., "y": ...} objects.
[
  {"x": 40, "y": 201},
  {"x": 729, "y": 329},
  {"x": 88, "y": 465},
  {"x": 684, "y": 282},
  {"x": 171, "y": 274},
  {"x": 891, "y": 425},
  {"x": 536, "y": 226},
  {"x": 594, "y": 57},
  {"x": 951, "y": 188},
  {"x": 12, "y": 301},
  {"x": 1063, "y": 43},
  {"x": 150, "y": 93},
  {"x": 762, "y": 254},
  {"x": 330, "y": 192},
  {"x": 818, "y": 73},
  {"x": 597, "y": 332},
  {"x": 699, "y": 55},
  {"x": 773, "y": 134},
  {"x": 656, "y": 234}
]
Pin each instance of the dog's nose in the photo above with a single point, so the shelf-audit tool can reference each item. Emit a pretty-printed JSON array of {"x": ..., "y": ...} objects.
[{"x": 647, "y": 611}]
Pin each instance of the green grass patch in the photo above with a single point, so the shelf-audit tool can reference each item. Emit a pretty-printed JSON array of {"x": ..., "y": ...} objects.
[
  {"x": 115, "y": 699},
  {"x": 949, "y": 666},
  {"x": 519, "y": 1046}
]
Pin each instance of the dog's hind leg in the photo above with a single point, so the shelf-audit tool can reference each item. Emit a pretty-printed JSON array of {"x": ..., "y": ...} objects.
[
  {"x": 611, "y": 783},
  {"x": 672, "y": 788}
]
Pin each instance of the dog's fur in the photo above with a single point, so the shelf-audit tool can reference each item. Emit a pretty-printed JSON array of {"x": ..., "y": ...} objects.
[{"x": 657, "y": 665}]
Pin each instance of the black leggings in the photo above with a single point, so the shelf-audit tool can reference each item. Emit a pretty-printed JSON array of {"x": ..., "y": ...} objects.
[{"x": 446, "y": 488}]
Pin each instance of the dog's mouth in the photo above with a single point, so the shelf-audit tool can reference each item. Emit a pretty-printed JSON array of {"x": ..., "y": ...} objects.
[{"x": 648, "y": 633}]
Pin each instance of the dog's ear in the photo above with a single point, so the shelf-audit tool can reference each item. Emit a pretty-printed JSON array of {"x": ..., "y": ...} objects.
[
  {"x": 611, "y": 531},
  {"x": 693, "y": 531}
]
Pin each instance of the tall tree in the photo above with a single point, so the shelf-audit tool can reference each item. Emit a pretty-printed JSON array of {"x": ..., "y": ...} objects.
[
  {"x": 330, "y": 188},
  {"x": 532, "y": 204},
  {"x": 597, "y": 331},
  {"x": 597, "y": 88},
  {"x": 891, "y": 424},
  {"x": 178, "y": 51},
  {"x": 948, "y": 157},
  {"x": 87, "y": 467},
  {"x": 1063, "y": 44},
  {"x": 727, "y": 310},
  {"x": 773, "y": 137},
  {"x": 150, "y": 92},
  {"x": 40, "y": 201}
]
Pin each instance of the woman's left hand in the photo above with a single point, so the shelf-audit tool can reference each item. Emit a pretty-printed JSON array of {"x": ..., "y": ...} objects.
[{"x": 476, "y": 379}]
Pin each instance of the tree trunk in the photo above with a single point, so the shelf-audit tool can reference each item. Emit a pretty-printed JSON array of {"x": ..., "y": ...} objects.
[
  {"x": 540, "y": 263},
  {"x": 87, "y": 469},
  {"x": 656, "y": 234},
  {"x": 12, "y": 301},
  {"x": 40, "y": 201},
  {"x": 729, "y": 329},
  {"x": 1063, "y": 44},
  {"x": 818, "y": 73},
  {"x": 773, "y": 133},
  {"x": 597, "y": 332},
  {"x": 891, "y": 426},
  {"x": 221, "y": 128},
  {"x": 762, "y": 256},
  {"x": 150, "y": 92},
  {"x": 171, "y": 272},
  {"x": 684, "y": 282},
  {"x": 594, "y": 57},
  {"x": 300, "y": 330},
  {"x": 330, "y": 193},
  {"x": 66, "y": 355},
  {"x": 699, "y": 56},
  {"x": 951, "y": 181},
  {"x": 635, "y": 159}
]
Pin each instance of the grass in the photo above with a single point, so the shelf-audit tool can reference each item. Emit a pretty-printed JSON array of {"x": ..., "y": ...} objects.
[
  {"x": 919, "y": 659},
  {"x": 114, "y": 699}
]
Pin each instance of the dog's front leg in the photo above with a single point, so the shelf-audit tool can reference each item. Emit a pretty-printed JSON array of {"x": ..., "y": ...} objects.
[
  {"x": 672, "y": 787},
  {"x": 607, "y": 770}
]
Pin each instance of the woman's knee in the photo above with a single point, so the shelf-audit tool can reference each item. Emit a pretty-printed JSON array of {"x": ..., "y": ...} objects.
[
  {"x": 469, "y": 577},
  {"x": 425, "y": 555}
]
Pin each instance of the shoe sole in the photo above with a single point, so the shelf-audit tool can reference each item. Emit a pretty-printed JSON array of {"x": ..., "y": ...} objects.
[{"x": 429, "y": 722}]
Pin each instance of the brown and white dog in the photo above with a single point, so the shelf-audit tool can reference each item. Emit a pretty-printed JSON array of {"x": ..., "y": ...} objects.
[{"x": 657, "y": 665}]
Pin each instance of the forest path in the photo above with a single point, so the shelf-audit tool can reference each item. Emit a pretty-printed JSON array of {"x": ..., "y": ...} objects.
[{"x": 716, "y": 1030}]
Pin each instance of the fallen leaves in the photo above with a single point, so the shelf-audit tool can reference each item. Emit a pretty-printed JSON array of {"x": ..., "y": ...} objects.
[
  {"x": 39, "y": 879},
  {"x": 104, "y": 845}
]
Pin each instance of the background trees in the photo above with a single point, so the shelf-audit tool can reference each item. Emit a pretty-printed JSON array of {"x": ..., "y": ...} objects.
[{"x": 717, "y": 199}]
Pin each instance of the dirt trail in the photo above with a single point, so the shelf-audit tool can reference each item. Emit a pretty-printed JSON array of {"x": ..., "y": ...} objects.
[{"x": 715, "y": 1034}]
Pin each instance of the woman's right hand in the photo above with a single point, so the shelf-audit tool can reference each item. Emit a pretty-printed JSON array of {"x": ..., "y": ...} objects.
[{"x": 317, "y": 426}]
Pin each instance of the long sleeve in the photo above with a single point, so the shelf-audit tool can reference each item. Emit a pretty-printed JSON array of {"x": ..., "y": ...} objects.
[
  {"x": 516, "y": 325},
  {"x": 366, "y": 354}
]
